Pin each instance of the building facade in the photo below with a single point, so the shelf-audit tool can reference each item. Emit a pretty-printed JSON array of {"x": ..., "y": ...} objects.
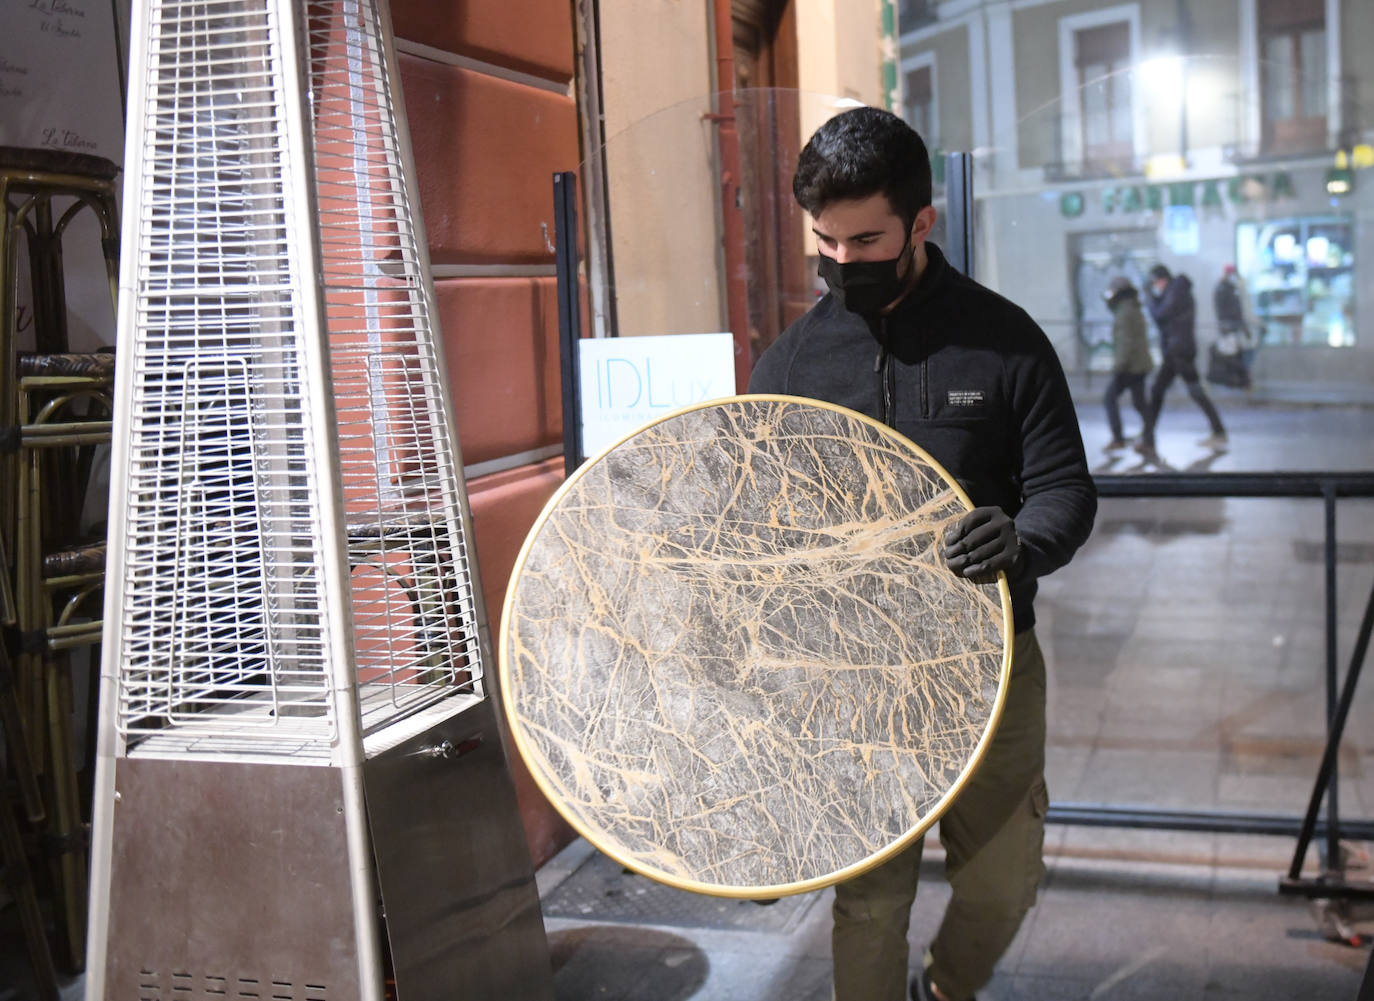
[
  {"x": 693, "y": 117},
  {"x": 626, "y": 93},
  {"x": 1109, "y": 137}
]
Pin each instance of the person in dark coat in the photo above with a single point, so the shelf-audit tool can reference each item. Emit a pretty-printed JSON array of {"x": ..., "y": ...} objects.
[
  {"x": 906, "y": 339},
  {"x": 1131, "y": 361},
  {"x": 1230, "y": 361},
  {"x": 1171, "y": 305},
  {"x": 1227, "y": 305}
]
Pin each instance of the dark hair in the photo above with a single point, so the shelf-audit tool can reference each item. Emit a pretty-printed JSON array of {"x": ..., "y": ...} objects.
[
  {"x": 1159, "y": 271},
  {"x": 864, "y": 152}
]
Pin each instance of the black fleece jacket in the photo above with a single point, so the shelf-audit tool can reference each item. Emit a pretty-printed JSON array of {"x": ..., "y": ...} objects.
[
  {"x": 1174, "y": 312},
  {"x": 970, "y": 378}
]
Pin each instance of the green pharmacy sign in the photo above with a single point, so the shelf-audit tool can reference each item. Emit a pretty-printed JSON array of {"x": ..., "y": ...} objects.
[{"x": 1212, "y": 192}]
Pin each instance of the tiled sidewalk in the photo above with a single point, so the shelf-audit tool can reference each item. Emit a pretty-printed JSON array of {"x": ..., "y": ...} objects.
[{"x": 1144, "y": 916}]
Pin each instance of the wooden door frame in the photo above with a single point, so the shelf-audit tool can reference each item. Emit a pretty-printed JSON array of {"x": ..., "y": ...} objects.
[{"x": 776, "y": 126}]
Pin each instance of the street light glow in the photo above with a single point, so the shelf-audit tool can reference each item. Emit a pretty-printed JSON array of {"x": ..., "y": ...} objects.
[{"x": 1162, "y": 78}]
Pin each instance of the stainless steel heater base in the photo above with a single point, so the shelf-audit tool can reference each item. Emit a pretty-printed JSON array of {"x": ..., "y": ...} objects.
[
  {"x": 462, "y": 910},
  {"x": 202, "y": 853},
  {"x": 269, "y": 914}
]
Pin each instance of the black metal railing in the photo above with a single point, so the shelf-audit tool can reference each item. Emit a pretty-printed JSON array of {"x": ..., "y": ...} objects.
[{"x": 1329, "y": 487}]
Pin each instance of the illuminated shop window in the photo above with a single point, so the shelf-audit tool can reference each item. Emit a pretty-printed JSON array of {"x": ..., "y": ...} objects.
[{"x": 1300, "y": 274}]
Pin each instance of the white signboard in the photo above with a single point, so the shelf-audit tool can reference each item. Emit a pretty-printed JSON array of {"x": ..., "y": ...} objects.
[
  {"x": 59, "y": 77},
  {"x": 1182, "y": 234},
  {"x": 629, "y": 381}
]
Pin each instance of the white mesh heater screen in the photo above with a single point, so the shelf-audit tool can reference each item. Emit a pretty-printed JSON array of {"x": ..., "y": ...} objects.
[
  {"x": 413, "y": 611},
  {"x": 224, "y": 606},
  {"x": 223, "y": 613}
]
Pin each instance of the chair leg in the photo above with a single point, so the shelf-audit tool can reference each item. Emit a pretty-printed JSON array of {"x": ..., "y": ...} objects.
[
  {"x": 9, "y": 413},
  {"x": 28, "y": 665},
  {"x": 12, "y": 718},
  {"x": 107, "y": 209},
  {"x": 92, "y": 742},
  {"x": 41, "y": 502},
  {"x": 49, "y": 287},
  {"x": 66, "y": 833}
]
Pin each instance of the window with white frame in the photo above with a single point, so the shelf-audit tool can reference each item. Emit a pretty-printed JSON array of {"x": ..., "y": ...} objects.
[
  {"x": 1293, "y": 74},
  {"x": 1102, "y": 59},
  {"x": 1101, "y": 126},
  {"x": 918, "y": 101}
]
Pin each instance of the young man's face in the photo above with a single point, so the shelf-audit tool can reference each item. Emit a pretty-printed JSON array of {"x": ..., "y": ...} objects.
[
  {"x": 1159, "y": 285},
  {"x": 866, "y": 229}
]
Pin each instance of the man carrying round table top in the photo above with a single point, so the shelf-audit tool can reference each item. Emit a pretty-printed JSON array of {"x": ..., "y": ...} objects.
[{"x": 904, "y": 338}]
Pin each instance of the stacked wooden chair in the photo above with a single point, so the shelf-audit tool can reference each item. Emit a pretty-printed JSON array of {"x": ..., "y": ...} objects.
[{"x": 55, "y": 409}]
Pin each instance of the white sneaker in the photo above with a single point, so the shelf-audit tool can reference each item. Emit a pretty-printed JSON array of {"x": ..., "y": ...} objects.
[{"x": 1215, "y": 441}]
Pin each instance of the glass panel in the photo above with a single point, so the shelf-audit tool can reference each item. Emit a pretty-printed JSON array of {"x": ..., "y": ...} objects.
[
  {"x": 917, "y": 99},
  {"x": 918, "y": 116},
  {"x": 1330, "y": 260},
  {"x": 1313, "y": 47},
  {"x": 1278, "y": 73},
  {"x": 1122, "y": 122},
  {"x": 1096, "y": 107},
  {"x": 1107, "y": 122},
  {"x": 1201, "y": 671},
  {"x": 1050, "y": 236}
]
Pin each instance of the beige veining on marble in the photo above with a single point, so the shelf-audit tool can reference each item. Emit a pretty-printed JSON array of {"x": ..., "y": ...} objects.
[{"x": 732, "y": 654}]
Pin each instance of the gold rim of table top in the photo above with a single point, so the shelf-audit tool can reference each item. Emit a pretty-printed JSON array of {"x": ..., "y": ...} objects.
[{"x": 717, "y": 889}]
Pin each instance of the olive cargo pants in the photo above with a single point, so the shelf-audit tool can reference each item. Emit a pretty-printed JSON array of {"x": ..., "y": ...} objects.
[{"x": 993, "y": 836}]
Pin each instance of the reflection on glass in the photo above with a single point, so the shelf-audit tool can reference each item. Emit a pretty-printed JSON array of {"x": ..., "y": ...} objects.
[{"x": 1079, "y": 177}]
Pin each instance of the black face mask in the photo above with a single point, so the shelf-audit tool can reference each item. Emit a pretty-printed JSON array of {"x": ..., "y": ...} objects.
[{"x": 863, "y": 287}]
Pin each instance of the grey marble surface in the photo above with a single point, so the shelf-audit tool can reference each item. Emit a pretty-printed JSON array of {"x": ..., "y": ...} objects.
[{"x": 734, "y": 657}]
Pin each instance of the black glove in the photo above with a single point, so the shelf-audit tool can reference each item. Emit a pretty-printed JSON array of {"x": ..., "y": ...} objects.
[{"x": 980, "y": 544}]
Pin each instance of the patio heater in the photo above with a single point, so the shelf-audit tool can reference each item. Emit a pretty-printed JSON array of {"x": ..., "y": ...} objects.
[{"x": 302, "y": 790}]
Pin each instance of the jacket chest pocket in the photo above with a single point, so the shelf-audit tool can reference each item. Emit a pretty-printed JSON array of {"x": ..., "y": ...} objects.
[{"x": 973, "y": 450}]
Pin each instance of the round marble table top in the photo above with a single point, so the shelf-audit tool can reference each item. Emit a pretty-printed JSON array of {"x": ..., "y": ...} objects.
[{"x": 732, "y": 657}]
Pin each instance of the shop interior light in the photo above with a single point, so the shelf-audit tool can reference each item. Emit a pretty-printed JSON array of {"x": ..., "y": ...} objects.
[{"x": 1339, "y": 181}]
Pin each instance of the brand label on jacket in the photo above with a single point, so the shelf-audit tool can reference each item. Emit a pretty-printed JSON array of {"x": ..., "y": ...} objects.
[{"x": 965, "y": 397}]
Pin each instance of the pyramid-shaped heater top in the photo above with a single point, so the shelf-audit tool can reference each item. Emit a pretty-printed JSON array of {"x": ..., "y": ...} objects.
[
  {"x": 294, "y": 733},
  {"x": 288, "y": 522}
]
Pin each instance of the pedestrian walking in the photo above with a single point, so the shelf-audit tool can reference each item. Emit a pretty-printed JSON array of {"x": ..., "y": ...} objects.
[
  {"x": 1228, "y": 363},
  {"x": 1172, "y": 307},
  {"x": 1131, "y": 361}
]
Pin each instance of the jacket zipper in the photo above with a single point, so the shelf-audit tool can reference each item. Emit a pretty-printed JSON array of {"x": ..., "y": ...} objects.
[
  {"x": 883, "y": 366},
  {"x": 925, "y": 392}
]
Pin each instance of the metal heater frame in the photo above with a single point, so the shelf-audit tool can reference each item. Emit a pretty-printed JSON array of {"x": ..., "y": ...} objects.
[{"x": 271, "y": 856}]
